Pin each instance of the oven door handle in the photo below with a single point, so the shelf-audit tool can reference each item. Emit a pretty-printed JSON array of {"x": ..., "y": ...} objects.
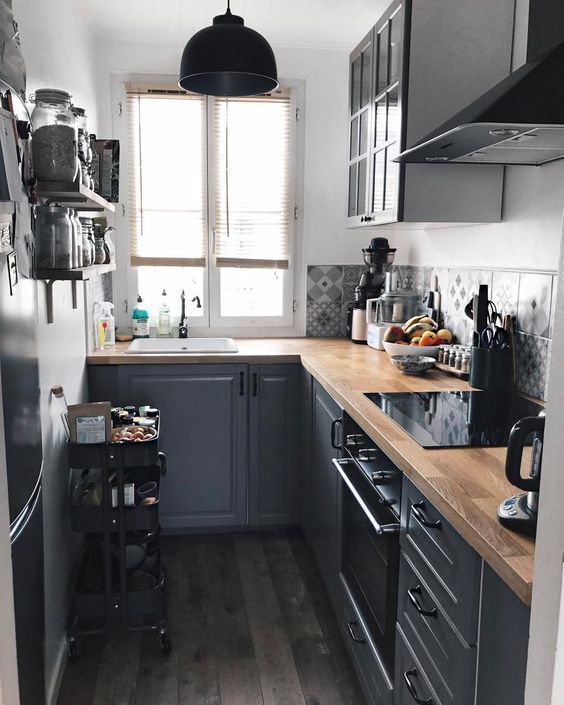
[{"x": 380, "y": 529}]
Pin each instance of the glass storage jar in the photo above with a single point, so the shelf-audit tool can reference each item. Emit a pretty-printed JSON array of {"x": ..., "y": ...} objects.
[
  {"x": 100, "y": 253},
  {"x": 87, "y": 242},
  {"x": 54, "y": 142},
  {"x": 77, "y": 240},
  {"x": 53, "y": 228}
]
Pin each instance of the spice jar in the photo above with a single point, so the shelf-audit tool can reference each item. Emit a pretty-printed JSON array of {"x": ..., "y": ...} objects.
[
  {"x": 465, "y": 362},
  {"x": 55, "y": 136},
  {"x": 54, "y": 233}
]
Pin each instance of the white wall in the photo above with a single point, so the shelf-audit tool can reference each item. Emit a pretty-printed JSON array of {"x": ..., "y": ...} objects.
[
  {"x": 528, "y": 237},
  {"x": 58, "y": 50}
]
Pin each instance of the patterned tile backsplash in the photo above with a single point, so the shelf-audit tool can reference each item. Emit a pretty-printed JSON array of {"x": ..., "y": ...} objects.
[{"x": 529, "y": 296}]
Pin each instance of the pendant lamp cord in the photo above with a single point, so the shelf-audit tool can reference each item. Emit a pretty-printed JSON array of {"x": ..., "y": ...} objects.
[{"x": 228, "y": 7}]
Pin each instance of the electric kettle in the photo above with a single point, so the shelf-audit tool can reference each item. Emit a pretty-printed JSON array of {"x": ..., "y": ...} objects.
[{"x": 520, "y": 511}]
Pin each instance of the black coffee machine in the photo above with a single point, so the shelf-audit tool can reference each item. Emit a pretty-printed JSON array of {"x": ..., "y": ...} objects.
[
  {"x": 378, "y": 259},
  {"x": 519, "y": 512}
]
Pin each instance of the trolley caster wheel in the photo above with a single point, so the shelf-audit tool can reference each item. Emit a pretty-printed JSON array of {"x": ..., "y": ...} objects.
[
  {"x": 74, "y": 651},
  {"x": 166, "y": 643}
]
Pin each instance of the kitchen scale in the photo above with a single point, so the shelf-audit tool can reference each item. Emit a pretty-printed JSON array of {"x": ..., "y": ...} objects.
[{"x": 456, "y": 419}]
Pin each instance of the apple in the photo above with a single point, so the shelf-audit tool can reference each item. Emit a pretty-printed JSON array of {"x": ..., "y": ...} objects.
[
  {"x": 393, "y": 334},
  {"x": 446, "y": 335}
]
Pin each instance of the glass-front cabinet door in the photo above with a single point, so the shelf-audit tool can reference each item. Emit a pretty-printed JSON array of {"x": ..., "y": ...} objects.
[
  {"x": 375, "y": 122},
  {"x": 360, "y": 127},
  {"x": 383, "y": 200}
]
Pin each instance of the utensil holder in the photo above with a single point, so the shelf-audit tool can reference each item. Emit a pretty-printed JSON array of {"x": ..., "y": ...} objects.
[{"x": 491, "y": 368}]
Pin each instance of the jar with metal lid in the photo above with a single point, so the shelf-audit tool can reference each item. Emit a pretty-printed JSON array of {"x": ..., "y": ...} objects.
[
  {"x": 54, "y": 233},
  {"x": 458, "y": 360},
  {"x": 465, "y": 363},
  {"x": 87, "y": 242},
  {"x": 452, "y": 355},
  {"x": 84, "y": 147},
  {"x": 100, "y": 252},
  {"x": 54, "y": 143}
]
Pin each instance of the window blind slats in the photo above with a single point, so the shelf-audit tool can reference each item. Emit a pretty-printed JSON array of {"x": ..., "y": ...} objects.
[
  {"x": 251, "y": 181},
  {"x": 167, "y": 179}
]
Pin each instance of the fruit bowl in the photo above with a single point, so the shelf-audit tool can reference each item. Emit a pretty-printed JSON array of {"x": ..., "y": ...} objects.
[
  {"x": 412, "y": 364},
  {"x": 411, "y": 350}
]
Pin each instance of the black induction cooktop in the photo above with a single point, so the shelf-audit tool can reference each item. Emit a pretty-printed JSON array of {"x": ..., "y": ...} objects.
[{"x": 455, "y": 419}]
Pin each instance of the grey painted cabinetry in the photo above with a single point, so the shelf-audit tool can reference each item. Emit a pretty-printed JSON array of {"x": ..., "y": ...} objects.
[
  {"x": 306, "y": 420},
  {"x": 273, "y": 444},
  {"x": 422, "y": 63},
  {"x": 230, "y": 433},
  {"x": 462, "y": 634},
  {"x": 325, "y": 504}
]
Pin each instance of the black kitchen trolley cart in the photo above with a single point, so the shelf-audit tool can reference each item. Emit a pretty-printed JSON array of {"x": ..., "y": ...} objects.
[{"x": 121, "y": 576}]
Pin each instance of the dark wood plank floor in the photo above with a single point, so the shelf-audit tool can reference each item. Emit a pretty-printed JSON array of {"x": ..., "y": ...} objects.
[{"x": 250, "y": 623}]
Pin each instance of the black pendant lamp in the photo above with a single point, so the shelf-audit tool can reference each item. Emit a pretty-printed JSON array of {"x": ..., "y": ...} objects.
[{"x": 228, "y": 59}]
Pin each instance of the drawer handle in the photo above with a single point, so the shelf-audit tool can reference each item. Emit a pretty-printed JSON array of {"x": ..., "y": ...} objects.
[
  {"x": 411, "y": 593},
  {"x": 351, "y": 625},
  {"x": 411, "y": 688},
  {"x": 417, "y": 511},
  {"x": 336, "y": 422}
]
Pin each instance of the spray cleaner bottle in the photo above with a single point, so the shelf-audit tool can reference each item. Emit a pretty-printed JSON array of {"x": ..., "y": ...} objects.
[{"x": 105, "y": 325}]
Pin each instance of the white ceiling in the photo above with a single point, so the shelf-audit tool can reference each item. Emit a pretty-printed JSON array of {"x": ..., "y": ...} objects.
[{"x": 328, "y": 23}]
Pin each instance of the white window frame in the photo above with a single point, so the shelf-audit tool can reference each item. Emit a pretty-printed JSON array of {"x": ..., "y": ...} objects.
[{"x": 125, "y": 280}]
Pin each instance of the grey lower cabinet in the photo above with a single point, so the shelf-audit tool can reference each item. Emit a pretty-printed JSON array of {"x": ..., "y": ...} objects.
[
  {"x": 462, "y": 634},
  {"x": 273, "y": 439},
  {"x": 230, "y": 433},
  {"x": 325, "y": 488}
]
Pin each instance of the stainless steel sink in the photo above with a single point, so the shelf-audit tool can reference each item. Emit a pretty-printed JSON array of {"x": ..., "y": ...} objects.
[{"x": 181, "y": 346}]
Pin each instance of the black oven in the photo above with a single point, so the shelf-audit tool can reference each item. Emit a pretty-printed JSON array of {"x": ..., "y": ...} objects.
[{"x": 370, "y": 557}]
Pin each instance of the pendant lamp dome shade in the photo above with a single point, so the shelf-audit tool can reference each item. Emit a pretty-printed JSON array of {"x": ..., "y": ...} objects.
[{"x": 228, "y": 59}]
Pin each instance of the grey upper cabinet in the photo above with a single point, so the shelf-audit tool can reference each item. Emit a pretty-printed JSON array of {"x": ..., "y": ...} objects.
[
  {"x": 273, "y": 444},
  {"x": 429, "y": 60},
  {"x": 204, "y": 435},
  {"x": 325, "y": 508}
]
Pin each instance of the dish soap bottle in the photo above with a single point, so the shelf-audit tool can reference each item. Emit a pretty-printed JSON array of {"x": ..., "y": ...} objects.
[
  {"x": 105, "y": 325},
  {"x": 164, "y": 327},
  {"x": 140, "y": 320}
]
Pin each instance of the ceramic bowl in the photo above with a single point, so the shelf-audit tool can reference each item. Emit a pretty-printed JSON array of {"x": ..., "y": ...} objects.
[
  {"x": 412, "y": 364},
  {"x": 411, "y": 350}
]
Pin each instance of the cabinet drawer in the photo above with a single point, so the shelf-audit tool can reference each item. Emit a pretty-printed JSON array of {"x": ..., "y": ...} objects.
[
  {"x": 449, "y": 566},
  {"x": 441, "y": 651},
  {"x": 412, "y": 684},
  {"x": 373, "y": 677}
]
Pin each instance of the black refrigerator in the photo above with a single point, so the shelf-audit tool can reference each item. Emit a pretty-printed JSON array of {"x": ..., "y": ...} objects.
[{"x": 19, "y": 370}]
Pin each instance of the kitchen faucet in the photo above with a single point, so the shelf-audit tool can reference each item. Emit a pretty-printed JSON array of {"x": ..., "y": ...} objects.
[{"x": 182, "y": 327}]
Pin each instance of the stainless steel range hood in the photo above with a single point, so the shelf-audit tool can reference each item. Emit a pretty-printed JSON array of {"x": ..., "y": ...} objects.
[{"x": 518, "y": 121}]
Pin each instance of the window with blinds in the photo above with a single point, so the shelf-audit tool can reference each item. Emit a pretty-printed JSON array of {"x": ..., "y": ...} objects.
[
  {"x": 251, "y": 181},
  {"x": 167, "y": 177}
]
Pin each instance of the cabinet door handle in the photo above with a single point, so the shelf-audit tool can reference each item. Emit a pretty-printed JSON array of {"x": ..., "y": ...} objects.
[
  {"x": 411, "y": 688},
  {"x": 412, "y": 594},
  {"x": 241, "y": 384},
  {"x": 417, "y": 511},
  {"x": 336, "y": 422},
  {"x": 163, "y": 463},
  {"x": 350, "y": 626}
]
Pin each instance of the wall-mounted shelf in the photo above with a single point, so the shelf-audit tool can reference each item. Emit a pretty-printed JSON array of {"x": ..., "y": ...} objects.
[
  {"x": 50, "y": 276},
  {"x": 74, "y": 195}
]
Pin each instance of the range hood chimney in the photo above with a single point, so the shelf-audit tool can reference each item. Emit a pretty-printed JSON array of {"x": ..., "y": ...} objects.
[{"x": 518, "y": 121}]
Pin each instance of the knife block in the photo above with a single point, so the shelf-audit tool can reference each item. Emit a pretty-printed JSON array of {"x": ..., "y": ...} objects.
[{"x": 491, "y": 368}]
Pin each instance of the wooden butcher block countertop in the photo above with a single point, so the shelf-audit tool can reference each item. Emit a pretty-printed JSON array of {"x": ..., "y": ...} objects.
[{"x": 465, "y": 484}]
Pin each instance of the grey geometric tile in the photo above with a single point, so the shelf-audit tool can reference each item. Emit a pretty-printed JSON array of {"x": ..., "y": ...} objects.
[
  {"x": 477, "y": 277},
  {"x": 505, "y": 292},
  {"x": 348, "y": 293},
  {"x": 344, "y": 318},
  {"x": 535, "y": 296},
  {"x": 324, "y": 283},
  {"x": 323, "y": 319},
  {"x": 460, "y": 327},
  {"x": 412, "y": 278},
  {"x": 351, "y": 273},
  {"x": 531, "y": 364},
  {"x": 458, "y": 291}
]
